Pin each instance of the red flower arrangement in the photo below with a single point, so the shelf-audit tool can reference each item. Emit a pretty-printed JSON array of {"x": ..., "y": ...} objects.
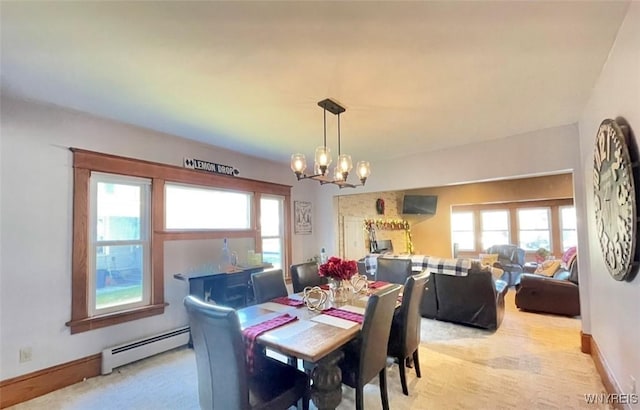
[{"x": 336, "y": 268}]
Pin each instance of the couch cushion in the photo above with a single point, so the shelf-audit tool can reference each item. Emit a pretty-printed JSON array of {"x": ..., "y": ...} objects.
[
  {"x": 488, "y": 259},
  {"x": 562, "y": 275},
  {"x": 548, "y": 268}
]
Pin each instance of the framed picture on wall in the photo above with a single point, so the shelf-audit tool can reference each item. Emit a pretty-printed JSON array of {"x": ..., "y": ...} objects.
[{"x": 302, "y": 215}]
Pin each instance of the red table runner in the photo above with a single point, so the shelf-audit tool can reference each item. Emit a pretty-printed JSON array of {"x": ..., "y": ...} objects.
[
  {"x": 283, "y": 300},
  {"x": 344, "y": 314},
  {"x": 252, "y": 332},
  {"x": 377, "y": 284}
]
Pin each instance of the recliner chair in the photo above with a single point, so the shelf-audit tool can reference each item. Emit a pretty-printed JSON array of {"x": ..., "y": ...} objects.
[
  {"x": 510, "y": 260},
  {"x": 558, "y": 294}
]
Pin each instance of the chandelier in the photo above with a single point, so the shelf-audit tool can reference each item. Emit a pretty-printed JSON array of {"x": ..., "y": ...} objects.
[{"x": 323, "y": 157}]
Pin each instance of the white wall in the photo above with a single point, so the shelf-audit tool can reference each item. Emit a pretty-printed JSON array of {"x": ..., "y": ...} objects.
[
  {"x": 614, "y": 306},
  {"x": 541, "y": 152},
  {"x": 36, "y": 214}
]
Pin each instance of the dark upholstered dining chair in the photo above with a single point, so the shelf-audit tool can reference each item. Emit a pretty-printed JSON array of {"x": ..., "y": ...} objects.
[
  {"x": 224, "y": 381},
  {"x": 366, "y": 356},
  {"x": 393, "y": 270},
  {"x": 268, "y": 285},
  {"x": 305, "y": 274},
  {"x": 404, "y": 339}
]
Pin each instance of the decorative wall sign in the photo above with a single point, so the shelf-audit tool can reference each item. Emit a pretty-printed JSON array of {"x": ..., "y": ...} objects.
[
  {"x": 615, "y": 200},
  {"x": 213, "y": 167},
  {"x": 302, "y": 215}
]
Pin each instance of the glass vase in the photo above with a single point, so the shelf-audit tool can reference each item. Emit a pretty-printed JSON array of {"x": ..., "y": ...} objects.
[{"x": 339, "y": 290}]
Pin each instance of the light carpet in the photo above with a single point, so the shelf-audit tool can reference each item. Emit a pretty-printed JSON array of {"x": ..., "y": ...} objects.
[{"x": 533, "y": 361}]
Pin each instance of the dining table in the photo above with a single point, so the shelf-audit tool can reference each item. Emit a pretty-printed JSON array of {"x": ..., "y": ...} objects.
[{"x": 315, "y": 336}]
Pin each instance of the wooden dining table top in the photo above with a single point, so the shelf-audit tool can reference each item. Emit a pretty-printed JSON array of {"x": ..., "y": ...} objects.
[{"x": 310, "y": 337}]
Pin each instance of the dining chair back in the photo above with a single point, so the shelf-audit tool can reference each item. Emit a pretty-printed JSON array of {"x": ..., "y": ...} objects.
[
  {"x": 224, "y": 381},
  {"x": 393, "y": 270},
  {"x": 268, "y": 285},
  {"x": 404, "y": 338},
  {"x": 367, "y": 355},
  {"x": 305, "y": 274}
]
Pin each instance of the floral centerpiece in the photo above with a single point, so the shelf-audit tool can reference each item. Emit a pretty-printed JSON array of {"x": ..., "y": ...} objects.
[
  {"x": 338, "y": 269},
  {"x": 339, "y": 272}
]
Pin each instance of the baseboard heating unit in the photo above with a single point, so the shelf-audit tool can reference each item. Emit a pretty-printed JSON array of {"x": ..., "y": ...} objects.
[{"x": 117, "y": 356}]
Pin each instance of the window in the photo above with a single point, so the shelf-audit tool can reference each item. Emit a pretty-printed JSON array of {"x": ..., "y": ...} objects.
[
  {"x": 462, "y": 232},
  {"x": 271, "y": 217},
  {"x": 535, "y": 229},
  {"x": 126, "y": 210},
  {"x": 119, "y": 243},
  {"x": 495, "y": 228},
  {"x": 568, "y": 227},
  {"x": 190, "y": 207}
]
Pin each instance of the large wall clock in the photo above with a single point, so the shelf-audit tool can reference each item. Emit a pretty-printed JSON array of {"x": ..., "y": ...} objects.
[{"x": 615, "y": 200}]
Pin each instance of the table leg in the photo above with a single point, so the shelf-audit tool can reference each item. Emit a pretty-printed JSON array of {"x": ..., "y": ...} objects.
[{"x": 326, "y": 391}]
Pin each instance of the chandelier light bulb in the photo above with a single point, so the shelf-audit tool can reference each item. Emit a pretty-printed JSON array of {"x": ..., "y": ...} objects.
[
  {"x": 345, "y": 163},
  {"x": 364, "y": 169},
  {"x": 298, "y": 163},
  {"x": 323, "y": 156},
  {"x": 338, "y": 175}
]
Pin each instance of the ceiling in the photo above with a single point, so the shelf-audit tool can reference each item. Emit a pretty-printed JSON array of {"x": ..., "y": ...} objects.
[{"x": 414, "y": 76}]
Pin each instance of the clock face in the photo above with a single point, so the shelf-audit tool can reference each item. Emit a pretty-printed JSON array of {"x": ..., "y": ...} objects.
[{"x": 615, "y": 200}]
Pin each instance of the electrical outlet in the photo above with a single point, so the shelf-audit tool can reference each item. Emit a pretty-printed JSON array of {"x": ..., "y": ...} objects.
[{"x": 25, "y": 354}]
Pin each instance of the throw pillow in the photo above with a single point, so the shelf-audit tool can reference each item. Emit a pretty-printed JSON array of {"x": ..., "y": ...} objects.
[
  {"x": 548, "y": 268},
  {"x": 488, "y": 258},
  {"x": 568, "y": 257}
]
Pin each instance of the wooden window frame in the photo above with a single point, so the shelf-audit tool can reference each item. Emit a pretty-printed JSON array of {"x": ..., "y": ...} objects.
[
  {"x": 474, "y": 228},
  {"x": 482, "y": 230},
  {"x": 514, "y": 229},
  {"x": 550, "y": 228},
  {"x": 85, "y": 162},
  {"x": 560, "y": 224}
]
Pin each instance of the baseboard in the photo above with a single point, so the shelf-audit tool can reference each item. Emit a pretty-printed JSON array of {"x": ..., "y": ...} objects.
[
  {"x": 32, "y": 385},
  {"x": 607, "y": 378}
]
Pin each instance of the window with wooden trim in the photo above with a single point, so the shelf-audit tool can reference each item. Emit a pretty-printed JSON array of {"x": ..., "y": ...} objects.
[
  {"x": 568, "y": 227},
  {"x": 529, "y": 224},
  {"x": 193, "y": 207},
  {"x": 534, "y": 229},
  {"x": 495, "y": 227},
  {"x": 119, "y": 243},
  {"x": 271, "y": 214},
  {"x": 462, "y": 231},
  {"x": 125, "y": 210}
]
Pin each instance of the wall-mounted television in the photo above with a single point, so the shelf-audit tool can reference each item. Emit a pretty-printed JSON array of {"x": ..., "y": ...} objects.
[{"x": 419, "y": 204}]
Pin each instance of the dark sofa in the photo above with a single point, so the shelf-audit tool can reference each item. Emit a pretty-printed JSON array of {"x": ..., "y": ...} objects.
[
  {"x": 475, "y": 300},
  {"x": 558, "y": 294}
]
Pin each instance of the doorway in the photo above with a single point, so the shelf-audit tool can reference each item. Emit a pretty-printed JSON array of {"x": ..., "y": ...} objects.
[{"x": 353, "y": 234}]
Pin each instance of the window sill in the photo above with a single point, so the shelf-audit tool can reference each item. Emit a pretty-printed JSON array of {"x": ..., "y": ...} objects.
[{"x": 97, "y": 322}]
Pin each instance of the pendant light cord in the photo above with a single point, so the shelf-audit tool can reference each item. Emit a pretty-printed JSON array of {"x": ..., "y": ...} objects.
[
  {"x": 325, "y": 129},
  {"x": 338, "y": 135}
]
